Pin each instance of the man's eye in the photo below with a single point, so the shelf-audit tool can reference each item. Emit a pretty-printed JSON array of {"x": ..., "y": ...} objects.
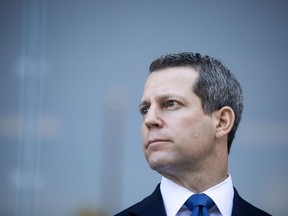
[
  {"x": 171, "y": 103},
  {"x": 144, "y": 110}
]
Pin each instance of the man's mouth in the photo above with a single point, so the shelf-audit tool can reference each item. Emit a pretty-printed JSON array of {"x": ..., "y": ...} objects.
[{"x": 156, "y": 141}]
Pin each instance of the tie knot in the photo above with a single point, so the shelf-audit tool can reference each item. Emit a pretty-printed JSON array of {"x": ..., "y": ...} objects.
[{"x": 199, "y": 200}]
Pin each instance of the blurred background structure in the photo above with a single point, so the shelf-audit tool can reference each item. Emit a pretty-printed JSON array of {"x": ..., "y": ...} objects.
[{"x": 71, "y": 77}]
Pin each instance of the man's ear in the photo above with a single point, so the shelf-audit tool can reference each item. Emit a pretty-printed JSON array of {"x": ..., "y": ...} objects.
[{"x": 225, "y": 121}]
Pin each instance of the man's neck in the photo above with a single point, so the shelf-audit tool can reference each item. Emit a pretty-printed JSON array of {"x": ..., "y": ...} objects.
[
  {"x": 199, "y": 180},
  {"x": 197, "y": 183}
]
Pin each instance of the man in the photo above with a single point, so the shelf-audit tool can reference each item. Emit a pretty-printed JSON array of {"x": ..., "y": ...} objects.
[{"x": 191, "y": 108}]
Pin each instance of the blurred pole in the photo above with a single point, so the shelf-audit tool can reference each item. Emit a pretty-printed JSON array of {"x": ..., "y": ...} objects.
[
  {"x": 116, "y": 100},
  {"x": 31, "y": 81}
]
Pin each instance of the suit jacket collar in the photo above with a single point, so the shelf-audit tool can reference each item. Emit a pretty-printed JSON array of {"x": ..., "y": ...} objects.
[
  {"x": 242, "y": 207},
  {"x": 238, "y": 209}
]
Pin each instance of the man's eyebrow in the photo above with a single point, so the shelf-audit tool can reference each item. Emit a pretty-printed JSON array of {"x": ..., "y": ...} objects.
[
  {"x": 143, "y": 103},
  {"x": 168, "y": 96},
  {"x": 162, "y": 98}
]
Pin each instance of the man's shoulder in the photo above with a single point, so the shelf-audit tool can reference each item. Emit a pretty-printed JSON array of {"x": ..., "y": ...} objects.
[
  {"x": 151, "y": 205},
  {"x": 128, "y": 211},
  {"x": 242, "y": 207}
]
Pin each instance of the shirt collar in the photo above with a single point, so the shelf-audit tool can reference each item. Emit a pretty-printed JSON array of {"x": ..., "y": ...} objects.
[{"x": 174, "y": 196}]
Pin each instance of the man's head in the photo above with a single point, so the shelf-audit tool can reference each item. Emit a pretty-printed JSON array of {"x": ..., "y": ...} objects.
[{"x": 216, "y": 86}]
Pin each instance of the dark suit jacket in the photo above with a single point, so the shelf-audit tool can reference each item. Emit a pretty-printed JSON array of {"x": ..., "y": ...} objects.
[{"x": 153, "y": 206}]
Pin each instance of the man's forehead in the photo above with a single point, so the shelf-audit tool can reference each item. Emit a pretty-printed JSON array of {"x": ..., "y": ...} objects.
[{"x": 171, "y": 78}]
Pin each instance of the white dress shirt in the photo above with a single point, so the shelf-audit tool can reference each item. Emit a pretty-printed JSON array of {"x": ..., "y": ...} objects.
[{"x": 174, "y": 197}]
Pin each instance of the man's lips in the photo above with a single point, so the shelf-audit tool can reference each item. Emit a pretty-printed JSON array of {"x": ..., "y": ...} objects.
[{"x": 155, "y": 141}]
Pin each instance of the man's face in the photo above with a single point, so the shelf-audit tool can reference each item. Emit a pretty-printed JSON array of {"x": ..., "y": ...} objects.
[{"x": 176, "y": 134}]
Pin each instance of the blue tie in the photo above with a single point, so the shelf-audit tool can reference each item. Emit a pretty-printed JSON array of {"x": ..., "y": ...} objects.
[{"x": 199, "y": 204}]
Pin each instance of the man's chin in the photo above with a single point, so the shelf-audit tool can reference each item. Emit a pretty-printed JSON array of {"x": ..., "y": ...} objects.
[{"x": 159, "y": 165}]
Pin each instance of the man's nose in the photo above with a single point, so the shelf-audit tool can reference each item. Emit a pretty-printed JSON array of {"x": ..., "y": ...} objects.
[{"x": 153, "y": 118}]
